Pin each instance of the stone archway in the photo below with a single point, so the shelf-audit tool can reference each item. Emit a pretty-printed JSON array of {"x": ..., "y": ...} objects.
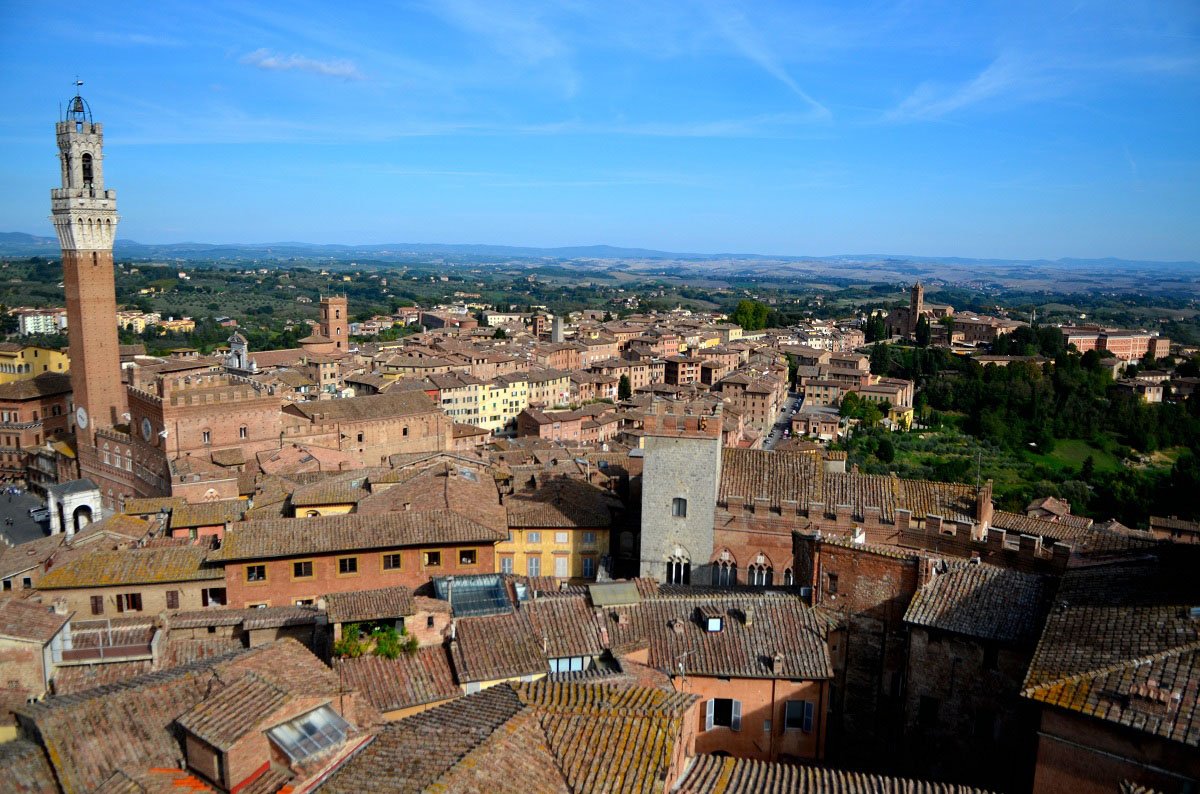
[
  {"x": 81, "y": 517},
  {"x": 73, "y": 505}
]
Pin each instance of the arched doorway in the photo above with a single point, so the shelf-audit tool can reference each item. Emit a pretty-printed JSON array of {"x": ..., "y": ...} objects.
[{"x": 81, "y": 517}]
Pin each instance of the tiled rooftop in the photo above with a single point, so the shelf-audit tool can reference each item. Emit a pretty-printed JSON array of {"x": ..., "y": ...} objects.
[
  {"x": 711, "y": 774},
  {"x": 527, "y": 738},
  {"x": 383, "y": 603},
  {"x": 29, "y": 621},
  {"x": 1122, "y": 644},
  {"x": 800, "y": 476},
  {"x": 984, "y": 601},
  {"x": 403, "y": 682},
  {"x": 128, "y": 726},
  {"x": 104, "y": 567},
  {"x": 288, "y": 537}
]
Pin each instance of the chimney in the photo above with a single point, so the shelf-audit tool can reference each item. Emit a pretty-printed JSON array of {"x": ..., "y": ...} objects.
[
  {"x": 777, "y": 662},
  {"x": 748, "y": 616}
]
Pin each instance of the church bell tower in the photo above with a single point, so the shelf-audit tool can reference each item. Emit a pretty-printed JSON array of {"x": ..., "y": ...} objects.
[{"x": 85, "y": 217}]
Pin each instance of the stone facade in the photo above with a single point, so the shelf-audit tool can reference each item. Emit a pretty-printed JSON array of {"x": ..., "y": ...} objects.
[{"x": 679, "y": 494}]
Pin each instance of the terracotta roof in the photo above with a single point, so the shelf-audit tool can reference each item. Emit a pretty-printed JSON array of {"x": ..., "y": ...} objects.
[
  {"x": 29, "y": 621},
  {"x": 373, "y": 406},
  {"x": 208, "y": 513},
  {"x": 333, "y": 491},
  {"x": 561, "y": 737},
  {"x": 249, "y": 618},
  {"x": 1043, "y": 527},
  {"x": 711, "y": 774},
  {"x": 234, "y": 711},
  {"x": 26, "y": 769},
  {"x": 103, "y": 568},
  {"x": 562, "y": 503},
  {"x": 984, "y": 601},
  {"x": 403, "y": 682},
  {"x": 1122, "y": 644},
  {"x": 47, "y": 384},
  {"x": 82, "y": 677},
  {"x": 136, "y": 507},
  {"x": 129, "y": 726},
  {"x": 384, "y": 603},
  {"x": 288, "y": 537},
  {"x": 492, "y": 647},
  {"x": 801, "y": 476},
  {"x": 778, "y": 624}
]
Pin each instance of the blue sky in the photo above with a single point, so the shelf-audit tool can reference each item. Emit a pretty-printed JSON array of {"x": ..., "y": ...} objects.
[{"x": 1010, "y": 129}]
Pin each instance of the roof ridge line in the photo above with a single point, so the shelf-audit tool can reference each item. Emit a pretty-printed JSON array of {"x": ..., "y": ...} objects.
[{"x": 1137, "y": 661}]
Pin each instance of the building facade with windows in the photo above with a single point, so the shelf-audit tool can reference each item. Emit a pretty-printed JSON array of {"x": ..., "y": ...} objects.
[
  {"x": 560, "y": 530},
  {"x": 293, "y": 561}
]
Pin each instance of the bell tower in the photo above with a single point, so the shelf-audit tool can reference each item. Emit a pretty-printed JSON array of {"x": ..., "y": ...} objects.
[
  {"x": 85, "y": 217},
  {"x": 335, "y": 321}
]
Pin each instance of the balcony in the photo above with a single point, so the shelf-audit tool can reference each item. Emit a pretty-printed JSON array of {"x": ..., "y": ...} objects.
[{"x": 107, "y": 640}]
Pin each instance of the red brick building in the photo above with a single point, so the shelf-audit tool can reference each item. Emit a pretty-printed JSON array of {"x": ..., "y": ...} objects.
[
  {"x": 295, "y": 561},
  {"x": 31, "y": 411}
]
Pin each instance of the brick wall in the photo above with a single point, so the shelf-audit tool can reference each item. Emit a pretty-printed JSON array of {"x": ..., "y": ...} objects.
[{"x": 281, "y": 587}]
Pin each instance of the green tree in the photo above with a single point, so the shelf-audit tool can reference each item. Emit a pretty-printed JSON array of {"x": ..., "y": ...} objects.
[
  {"x": 500, "y": 334},
  {"x": 923, "y": 334},
  {"x": 624, "y": 388},
  {"x": 850, "y": 405},
  {"x": 750, "y": 315},
  {"x": 885, "y": 451}
]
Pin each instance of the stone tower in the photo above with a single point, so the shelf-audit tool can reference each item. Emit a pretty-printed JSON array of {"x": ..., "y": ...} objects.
[
  {"x": 916, "y": 303},
  {"x": 85, "y": 218},
  {"x": 680, "y": 479},
  {"x": 335, "y": 322}
]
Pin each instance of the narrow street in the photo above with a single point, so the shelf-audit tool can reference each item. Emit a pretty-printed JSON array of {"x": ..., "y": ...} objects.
[{"x": 784, "y": 420}]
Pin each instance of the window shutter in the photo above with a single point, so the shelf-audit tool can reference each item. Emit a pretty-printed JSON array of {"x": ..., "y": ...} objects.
[
  {"x": 736, "y": 722},
  {"x": 708, "y": 715},
  {"x": 808, "y": 716},
  {"x": 120, "y": 603},
  {"x": 97, "y": 605},
  {"x": 172, "y": 599}
]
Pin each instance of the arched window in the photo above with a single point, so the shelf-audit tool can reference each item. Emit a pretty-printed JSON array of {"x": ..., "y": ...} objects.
[
  {"x": 789, "y": 578},
  {"x": 679, "y": 570},
  {"x": 87, "y": 170},
  {"x": 725, "y": 573},
  {"x": 759, "y": 575},
  {"x": 337, "y": 314}
]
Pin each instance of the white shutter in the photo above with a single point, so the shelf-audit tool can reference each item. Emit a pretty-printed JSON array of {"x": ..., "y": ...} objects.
[
  {"x": 736, "y": 722},
  {"x": 708, "y": 715},
  {"x": 561, "y": 567}
]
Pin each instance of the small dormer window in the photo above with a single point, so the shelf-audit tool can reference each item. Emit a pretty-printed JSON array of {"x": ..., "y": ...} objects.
[{"x": 714, "y": 624}]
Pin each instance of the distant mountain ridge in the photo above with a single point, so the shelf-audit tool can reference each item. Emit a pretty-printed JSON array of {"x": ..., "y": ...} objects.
[{"x": 14, "y": 244}]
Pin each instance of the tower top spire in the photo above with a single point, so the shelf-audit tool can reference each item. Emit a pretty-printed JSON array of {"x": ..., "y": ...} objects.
[{"x": 77, "y": 107}]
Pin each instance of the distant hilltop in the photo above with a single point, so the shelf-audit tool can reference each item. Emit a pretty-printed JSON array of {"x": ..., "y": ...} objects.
[{"x": 22, "y": 244}]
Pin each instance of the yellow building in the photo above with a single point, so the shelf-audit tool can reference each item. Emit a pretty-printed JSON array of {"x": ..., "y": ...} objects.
[
  {"x": 184, "y": 326},
  {"x": 22, "y": 362},
  {"x": 561, "y": 530}
]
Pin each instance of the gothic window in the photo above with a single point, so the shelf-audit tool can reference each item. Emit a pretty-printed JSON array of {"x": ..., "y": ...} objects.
[
  {"x": 242, "y": 431},
  {"x": 789, "y": 578},
  {"x": 726, "y": 573},
  {"x": 759, "y": 575},
  {"x": 206, "y": 436},
  {"x": 679, "y": 571}
]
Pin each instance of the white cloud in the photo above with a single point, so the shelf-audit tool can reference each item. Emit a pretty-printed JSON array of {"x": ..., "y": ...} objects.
[
  {"x": 732, "y": 24},
  {"x": 265, "y": 59}
]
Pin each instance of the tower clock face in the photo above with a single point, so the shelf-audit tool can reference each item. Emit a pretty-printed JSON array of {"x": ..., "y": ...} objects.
[
  {"x": 81, "y": 417},
  {"x": 147, "y": 429}
]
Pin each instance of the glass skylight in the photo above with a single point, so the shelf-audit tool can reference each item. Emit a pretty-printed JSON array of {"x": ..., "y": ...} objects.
[{"x": 310, "y": 733}]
